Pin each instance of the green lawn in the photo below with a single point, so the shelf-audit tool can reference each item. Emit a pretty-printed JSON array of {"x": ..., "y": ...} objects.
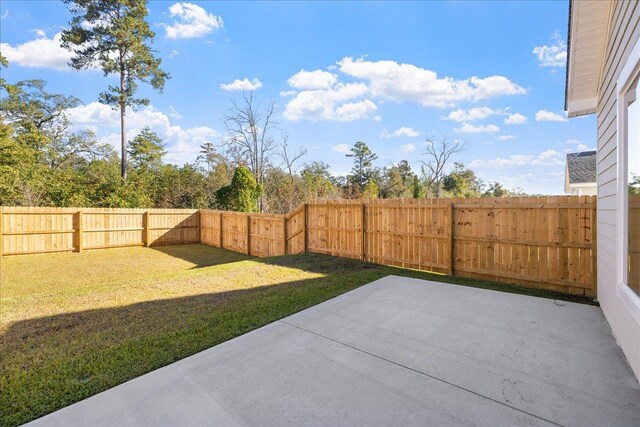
[{"x": 73, "y": 325}]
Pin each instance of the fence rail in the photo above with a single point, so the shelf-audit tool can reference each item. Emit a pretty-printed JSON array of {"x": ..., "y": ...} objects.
[
  {"x": 541, "y": 242},
  {"x": 33, "y": 230},
  {"x": 251, "y": 233}
]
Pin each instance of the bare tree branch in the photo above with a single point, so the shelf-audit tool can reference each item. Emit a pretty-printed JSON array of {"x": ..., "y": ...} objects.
[
  {"x": 438, "y": 155},
  {"x": 249, "y": 127},
  {"x": 290, "y": 158}
]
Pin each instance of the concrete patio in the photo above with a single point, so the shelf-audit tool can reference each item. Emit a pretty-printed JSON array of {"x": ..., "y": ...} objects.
[{"x": 395, "y": 352}]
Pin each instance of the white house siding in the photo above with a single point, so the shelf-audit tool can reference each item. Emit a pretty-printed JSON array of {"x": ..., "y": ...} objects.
[{"x": 623, "y": 34}]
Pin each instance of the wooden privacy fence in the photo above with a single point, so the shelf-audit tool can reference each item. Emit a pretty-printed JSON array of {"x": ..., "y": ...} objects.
[
  {"x": 253, "y": 233},
  {"x": 32, "y": 230},
  {"x": 541, "y": 242}
]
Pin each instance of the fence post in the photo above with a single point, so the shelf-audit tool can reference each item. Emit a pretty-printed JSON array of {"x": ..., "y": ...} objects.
[
  {"x": 364, "y": 232},
  {"x": 594, "y": 247},
  {"x": 451, "y": 224},
  {"x": 78, "y": 227},
  {"x": 248, "y": 234},
  {"x": 221, "y": 228},
  {"x": 1, "y": 231},
  {"x": 145, "y": 228},
  {"x": 284, "y": 226},
  {"x": 306, "y": 227},
  {"x": 199, "y": 215}
]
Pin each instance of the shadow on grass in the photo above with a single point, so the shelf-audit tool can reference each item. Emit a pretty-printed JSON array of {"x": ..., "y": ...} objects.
[
  {"x": 326, "y": 264},
  {"x": 201, "y": 255},
  {"x": 205, "y": 256},
  {"x": 50, "y": 362}
]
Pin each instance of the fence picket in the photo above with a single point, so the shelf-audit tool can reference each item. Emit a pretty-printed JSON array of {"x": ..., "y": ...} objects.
[{"x": 543, "y": 242}]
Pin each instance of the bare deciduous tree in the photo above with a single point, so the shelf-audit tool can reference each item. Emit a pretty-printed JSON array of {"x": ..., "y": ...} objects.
[
  {"x": 249, "y": 127},
  {"x": 438, "y": 154},
  {"x": 289, "y": 159}
]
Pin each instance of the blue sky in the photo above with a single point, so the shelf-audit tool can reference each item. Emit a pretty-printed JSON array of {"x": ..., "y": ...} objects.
[{"x": 490, "y": 74}]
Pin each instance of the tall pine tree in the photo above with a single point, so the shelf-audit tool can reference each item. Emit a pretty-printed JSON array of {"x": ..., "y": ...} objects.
[
  {"x": 114, "y": 36},
  {"x": 362, "y": 169}
]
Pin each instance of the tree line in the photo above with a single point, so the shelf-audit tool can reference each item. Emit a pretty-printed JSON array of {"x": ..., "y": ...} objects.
[{"x": 43, "y": 162}]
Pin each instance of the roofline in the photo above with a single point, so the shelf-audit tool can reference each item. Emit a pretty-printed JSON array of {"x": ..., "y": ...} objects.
[
  {"x": 592, "y": 152},
  {"x": 597, "y": 11},
  {"x": 566, "y": 78}
]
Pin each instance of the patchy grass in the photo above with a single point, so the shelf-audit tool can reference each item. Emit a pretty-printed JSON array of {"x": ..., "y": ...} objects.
[{"x": 73, "y": 325}]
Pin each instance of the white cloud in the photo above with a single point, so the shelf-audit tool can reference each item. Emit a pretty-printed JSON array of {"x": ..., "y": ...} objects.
[
  {"x": 94, "y": 114},
  {"x": 330, "y": 104},
  {"x": 317, "y": 79},
  {"x": 341, "y": 148},
  {"x": 5, "y": 15},
  {"x": 287, "y": 93},
  {"x": 400, "y": 132},
  {"x": 407, "y": 82},
  {"x": 548, "y": 116},
  {"x": 515, "y": 119},
  {"x": 319, "y": 94},
  {"x": 505, "y": 137},
  {"x": 470, "y": 115},
  {"x": 39, "y": 32},
  {"x": 407, "y": 148},
  {"x": 549, "y": 158},
  {"x": 351, "y": 111},
  {"x": 243, "y": 84},
  {"x": 377, "y": 118},
  {"x": 554, "y": 55},
  {"x": 174, "y": 53},
  {"x": 183, "y": 144},
  {"x": 502, "y": 162},
  {"x": 469, "y": 128},
  {"x": 555, "y": 175},
  {"x": 42, "y": 52},
  {"x": 579, "y": 145},
  {"x": 546, "y": 158},
  {"x": 173, "y": 113},
  {"x": 191, "y": 21}
]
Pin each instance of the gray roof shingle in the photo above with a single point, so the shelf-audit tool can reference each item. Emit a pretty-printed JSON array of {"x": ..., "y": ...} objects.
[{"x": 582, "y": 167}]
